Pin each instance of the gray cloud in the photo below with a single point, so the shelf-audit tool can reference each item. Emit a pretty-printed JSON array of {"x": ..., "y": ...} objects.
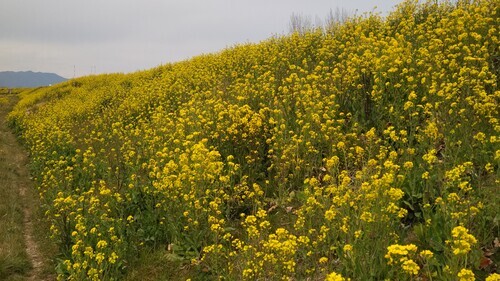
[{"x": 128, "y": 35}]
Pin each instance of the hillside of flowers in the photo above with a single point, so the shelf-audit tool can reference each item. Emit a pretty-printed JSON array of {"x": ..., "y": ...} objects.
[{"x": 368, "y": 150}]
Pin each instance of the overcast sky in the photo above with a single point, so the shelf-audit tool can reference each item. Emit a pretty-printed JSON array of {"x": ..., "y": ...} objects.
[{"x": 80, "y": 37}]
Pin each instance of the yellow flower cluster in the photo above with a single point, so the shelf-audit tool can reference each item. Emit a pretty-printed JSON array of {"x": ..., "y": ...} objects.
[
  {"x": 335, "y": 277},
  {"x": 399, "y": 254},
  {"x": 466, "y": 275},
  {"x": 462, "y": 241},
  {"x": 493, "y": 277}
]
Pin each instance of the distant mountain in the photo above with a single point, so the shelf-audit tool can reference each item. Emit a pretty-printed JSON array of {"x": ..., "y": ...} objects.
[{"x": 28, "y": 79}]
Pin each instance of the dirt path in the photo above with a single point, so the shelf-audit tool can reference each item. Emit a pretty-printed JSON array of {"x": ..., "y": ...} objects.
[{"x": 16, "y": 176}]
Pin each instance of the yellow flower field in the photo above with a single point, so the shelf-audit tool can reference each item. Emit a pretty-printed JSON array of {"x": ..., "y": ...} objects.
[{"x": 368, "y": 150}]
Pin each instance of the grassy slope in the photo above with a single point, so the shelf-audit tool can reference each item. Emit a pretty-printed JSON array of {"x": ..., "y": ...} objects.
[{"x": 373, "y": 134}]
